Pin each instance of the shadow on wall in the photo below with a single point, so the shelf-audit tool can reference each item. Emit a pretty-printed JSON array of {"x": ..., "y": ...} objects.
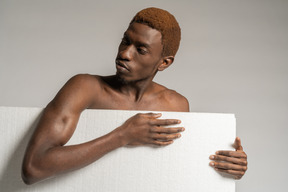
[
  {"x": 11, "y": 176},
  {"x": 11, "y": 180}
]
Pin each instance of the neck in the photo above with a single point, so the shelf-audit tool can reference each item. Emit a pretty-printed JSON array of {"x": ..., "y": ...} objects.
[{"x": 136, "y": 89}]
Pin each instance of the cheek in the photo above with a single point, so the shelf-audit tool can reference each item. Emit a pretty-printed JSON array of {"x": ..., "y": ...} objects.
[
  {"x": 149, "y": 67},
  {"x": 147, "y": 63}
]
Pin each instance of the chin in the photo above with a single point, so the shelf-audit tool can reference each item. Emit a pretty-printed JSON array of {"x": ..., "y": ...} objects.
[
  {"x": 121, "y": 79},
  {"x": 124, "y": 80}
]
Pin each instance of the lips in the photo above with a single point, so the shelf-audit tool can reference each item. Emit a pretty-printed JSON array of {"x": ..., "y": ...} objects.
[{"x": 121, "y": 66}]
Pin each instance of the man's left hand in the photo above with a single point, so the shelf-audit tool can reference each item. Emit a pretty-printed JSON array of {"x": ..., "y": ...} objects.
[{"x": 231, "y": 162}]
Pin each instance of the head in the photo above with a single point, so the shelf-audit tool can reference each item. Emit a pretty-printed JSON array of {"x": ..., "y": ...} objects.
[
  {"x": 148, "y": 45},
  {"x": 165, "y": 23}
]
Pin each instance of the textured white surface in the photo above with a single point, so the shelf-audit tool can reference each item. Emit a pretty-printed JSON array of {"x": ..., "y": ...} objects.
[{"x": 182, "y": 166}]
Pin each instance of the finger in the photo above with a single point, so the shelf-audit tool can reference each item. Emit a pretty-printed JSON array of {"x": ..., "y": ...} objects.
[
  {"x": 165, "y": 122},
  {"x": 161, "y": 143},
  {"x": 237, "y": 144},
  {"x": 236, "y": 174},
  {"x": 154, "y": 115},
  {"x": 236, "y": 154},
  {"x": 167, "y": 130},
  {"x": 228, "y": 166},
  {"x": 229, "y": 159},
  {"x": 165, "y": 137}
]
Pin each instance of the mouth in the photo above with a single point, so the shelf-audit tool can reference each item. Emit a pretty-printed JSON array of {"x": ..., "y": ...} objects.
[{"x": 121, "y": 66}]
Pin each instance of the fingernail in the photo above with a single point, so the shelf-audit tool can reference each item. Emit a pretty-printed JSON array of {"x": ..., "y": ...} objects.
[
  {"x": 212, "y": 163},
  {"x": 178, "y": 121},
  {"x": 212, "y": 157},
  {"x": 179, "y": 135},
  {"x": 183, "y": 129}
]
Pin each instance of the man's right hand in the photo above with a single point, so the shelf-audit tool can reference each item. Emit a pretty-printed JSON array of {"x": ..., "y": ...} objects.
[{"x": 143, "y": 129}]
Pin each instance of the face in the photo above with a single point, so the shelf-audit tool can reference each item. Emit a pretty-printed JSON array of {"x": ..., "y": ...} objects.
[{"x": 139, "y": 53}]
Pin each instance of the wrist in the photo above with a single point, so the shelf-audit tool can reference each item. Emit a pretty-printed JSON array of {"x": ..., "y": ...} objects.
[{"x": 120, "y": 136}]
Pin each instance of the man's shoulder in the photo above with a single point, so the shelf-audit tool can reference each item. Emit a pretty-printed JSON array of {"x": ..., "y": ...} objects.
[
  {"x": 175, "y": 100},
  {"x": 86, "y": 81},
  {"x": 83, "y": 85},
  {"x": 85, "y": 78}
]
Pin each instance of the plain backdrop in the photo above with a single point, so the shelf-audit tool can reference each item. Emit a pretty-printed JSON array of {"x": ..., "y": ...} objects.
[{"x": 233, "y": 58}]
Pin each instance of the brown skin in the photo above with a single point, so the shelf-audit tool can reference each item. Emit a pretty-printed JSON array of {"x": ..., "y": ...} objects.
[
  {"x": 138, "y": 60},
  {"x": 231, "y": 162}
]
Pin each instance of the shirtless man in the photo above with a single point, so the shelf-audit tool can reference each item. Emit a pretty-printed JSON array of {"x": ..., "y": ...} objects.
[{"x": 148, "y": 46}]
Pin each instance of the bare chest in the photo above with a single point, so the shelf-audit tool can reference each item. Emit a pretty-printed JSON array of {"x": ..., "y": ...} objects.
[{"x": 120, "y": 102}]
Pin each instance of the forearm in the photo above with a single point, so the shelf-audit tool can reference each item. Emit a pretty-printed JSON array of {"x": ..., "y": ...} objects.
[{"x": 60, "y": 159}]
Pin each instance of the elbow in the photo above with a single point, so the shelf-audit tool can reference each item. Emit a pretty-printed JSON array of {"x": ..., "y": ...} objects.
[{"x": 30, "y": 174}]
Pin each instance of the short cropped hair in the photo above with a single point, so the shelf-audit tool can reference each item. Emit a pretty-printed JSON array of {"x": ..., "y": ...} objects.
[{"x": 165, "y": 23}]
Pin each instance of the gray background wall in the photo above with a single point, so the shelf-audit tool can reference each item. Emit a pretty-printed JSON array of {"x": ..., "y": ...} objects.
[{"x": 233, "y": 59}]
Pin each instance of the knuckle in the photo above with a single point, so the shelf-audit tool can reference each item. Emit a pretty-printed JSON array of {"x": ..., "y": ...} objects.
[
  {"x": 139, "y": 114},
  {"x": 169, "y": 130},
  {"x": 228, "y": 166},
  {"x": 229, "y": 171},
  {"x": 159, "y": 143},
  {"x": 223, "y": 158},
  {"x": 220, "y": 157},
  {"x": 245, "y": 163},
  {"x": 166, "y": 137},
  {"x": 244, "y": 168},
  {"x": 150, "y": 122},
  {"x": 216, "y": 157},
  {"x": 176, "y": 130},
  {"x": 170, "y": 136},
  {"x": 175, "y": 136},
  {"x": 167, "y": 121},
  {"x": 153, "y": 129},
  {"x": 151, "y": 135},
  {"x": 218, "y": 153}
]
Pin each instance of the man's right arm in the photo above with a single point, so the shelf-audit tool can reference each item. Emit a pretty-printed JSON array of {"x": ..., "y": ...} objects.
[{"x": 46, "y": 154}]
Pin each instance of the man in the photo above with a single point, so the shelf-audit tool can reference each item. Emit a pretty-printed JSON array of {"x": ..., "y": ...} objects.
[{"x": 148, "y": 46}]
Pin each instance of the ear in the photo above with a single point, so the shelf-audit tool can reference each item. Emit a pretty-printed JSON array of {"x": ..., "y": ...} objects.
[{"x": 166, "y": 62}]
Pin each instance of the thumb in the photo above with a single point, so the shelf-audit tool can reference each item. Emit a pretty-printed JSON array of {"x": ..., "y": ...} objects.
[
  {"x": 153, "y": 115},
  {"x": 237, "y": 144}
]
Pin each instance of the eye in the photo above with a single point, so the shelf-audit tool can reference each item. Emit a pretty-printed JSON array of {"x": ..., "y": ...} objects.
[{"x": 141, "y": 50}]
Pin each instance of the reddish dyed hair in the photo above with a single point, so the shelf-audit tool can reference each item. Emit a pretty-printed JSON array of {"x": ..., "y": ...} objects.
[{"x": 165, "y": 23}]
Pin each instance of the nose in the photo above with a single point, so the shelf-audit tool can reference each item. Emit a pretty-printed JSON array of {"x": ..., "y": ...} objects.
[{"x": 126, "y": 52}]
